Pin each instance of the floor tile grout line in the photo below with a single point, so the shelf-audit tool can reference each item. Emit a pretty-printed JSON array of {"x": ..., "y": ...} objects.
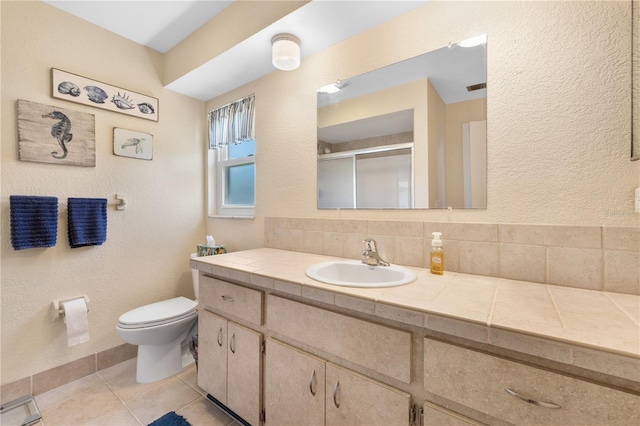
[{"x": 132, "y": 414}]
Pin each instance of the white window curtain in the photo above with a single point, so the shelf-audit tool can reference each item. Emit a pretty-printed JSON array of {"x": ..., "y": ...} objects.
[{"x": 232, "y": 123}]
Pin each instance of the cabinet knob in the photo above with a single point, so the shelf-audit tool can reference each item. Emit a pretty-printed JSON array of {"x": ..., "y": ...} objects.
[
  {"x": 227, "y": 298},
  {"x": 232, "y": 343},
  {"x": 335, "y": 394},
  {"x": 532, "y": 401}
]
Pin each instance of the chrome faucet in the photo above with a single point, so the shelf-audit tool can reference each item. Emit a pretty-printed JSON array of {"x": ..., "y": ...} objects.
[{"x": 371, "y": 256}]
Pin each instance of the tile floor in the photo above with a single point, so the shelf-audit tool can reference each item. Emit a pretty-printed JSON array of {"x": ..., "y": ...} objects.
[{"x": 113, "y": 397}]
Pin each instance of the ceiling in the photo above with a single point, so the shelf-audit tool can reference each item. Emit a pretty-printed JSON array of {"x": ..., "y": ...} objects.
[{"x": 161, "y": 25}]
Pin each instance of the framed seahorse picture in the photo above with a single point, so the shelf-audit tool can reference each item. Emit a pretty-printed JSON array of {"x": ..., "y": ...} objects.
[
  {"x": 82, "y": 90},
  {"x": 50, "y": 134},
  {"x": 129, "y": 143}
]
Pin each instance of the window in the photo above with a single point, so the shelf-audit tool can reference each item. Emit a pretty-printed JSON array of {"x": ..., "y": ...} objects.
[{"x": 232, "y": 148}]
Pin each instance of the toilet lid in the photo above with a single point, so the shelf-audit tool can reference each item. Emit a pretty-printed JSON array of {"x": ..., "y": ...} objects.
[{"x": 159, "y": 311}]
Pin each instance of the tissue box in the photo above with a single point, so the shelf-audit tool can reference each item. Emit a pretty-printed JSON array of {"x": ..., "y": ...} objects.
[{"x": 210, "y": 250}]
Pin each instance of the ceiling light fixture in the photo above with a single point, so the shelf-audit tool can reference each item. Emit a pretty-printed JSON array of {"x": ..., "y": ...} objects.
[
  {"x": 474, "y": 41},
  {"x": 285, "y": 52}
]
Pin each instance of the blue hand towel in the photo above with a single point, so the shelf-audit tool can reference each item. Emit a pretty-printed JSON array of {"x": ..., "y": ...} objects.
[
  {"x": 87, "y": 221},
  {"x": 34, "y": 221}
]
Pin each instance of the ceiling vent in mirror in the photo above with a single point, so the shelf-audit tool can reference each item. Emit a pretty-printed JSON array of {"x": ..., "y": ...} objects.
[
  {"x": 474, "y": 41},
  {"x": 476, "y": 87},
  {"x": 334, "y": 87}
]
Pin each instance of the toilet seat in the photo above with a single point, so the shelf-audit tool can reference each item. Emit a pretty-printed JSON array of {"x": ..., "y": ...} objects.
[{"x": 159, "y": 313}]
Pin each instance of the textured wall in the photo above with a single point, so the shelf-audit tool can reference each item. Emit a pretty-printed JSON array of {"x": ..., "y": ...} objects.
[
  {"x": 457, "y": 114},
  {"x": 558, "y": 114},
  {"x": 145, "y": 258}
]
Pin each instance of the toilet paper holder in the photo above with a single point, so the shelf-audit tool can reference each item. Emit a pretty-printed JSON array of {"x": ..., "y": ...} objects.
[{"x": 57, "y": 307}]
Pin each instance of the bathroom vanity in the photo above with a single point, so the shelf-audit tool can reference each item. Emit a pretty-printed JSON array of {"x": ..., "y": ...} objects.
[{"x": 277, "y": 347}]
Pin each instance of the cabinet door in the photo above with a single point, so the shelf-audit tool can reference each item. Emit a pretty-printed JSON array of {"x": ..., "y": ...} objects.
[
  {"x": 212, "y": 355},
  {"x": 294, "y": 386},
  {"x": 244, "y": 372},
  {"x": 352, "y": 399}
]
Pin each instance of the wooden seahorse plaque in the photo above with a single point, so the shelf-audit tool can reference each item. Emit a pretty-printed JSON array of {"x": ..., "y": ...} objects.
[{"x": 49, "y": 134}]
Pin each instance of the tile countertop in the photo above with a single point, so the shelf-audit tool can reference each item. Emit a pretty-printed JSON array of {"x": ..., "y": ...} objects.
[{"x": 482, "y": 308}]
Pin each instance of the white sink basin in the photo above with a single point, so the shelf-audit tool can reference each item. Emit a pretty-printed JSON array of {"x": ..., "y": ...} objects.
[{"x": 354, "y": 273}]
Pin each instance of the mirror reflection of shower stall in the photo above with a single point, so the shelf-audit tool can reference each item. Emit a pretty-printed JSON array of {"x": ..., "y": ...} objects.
[
  {"x": 375, "y": 178},
  {"x": 437, "y": 103}
]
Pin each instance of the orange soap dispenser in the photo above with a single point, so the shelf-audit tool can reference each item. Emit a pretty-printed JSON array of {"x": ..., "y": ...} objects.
[{"x": 437, "y": 254}]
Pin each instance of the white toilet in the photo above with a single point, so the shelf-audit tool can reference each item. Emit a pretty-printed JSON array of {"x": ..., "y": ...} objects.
[{"x": 163, "y": 332}]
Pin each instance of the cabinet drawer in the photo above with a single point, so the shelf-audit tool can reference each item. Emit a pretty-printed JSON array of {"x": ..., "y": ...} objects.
[
  {"x": 232, "y": 299},
  {"x": 480, "y": 381},
  {"x": 377, "y": 347}
]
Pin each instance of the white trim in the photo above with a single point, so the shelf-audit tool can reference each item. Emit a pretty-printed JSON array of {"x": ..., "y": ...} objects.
[
  {"x": 215, "y": 186},
  {"x": 223, "y": 209},
  {"x": 371, "y": 150}
]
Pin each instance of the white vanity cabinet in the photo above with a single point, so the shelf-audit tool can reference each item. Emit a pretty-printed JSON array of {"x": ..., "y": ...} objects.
[
  {"x": 230, "y": 367},
  {"x": 522, "y": 394},
  {"x": 332, "y": 365},
  {"x": 229, "y": 354},
  {"x": 303, "y": 389}
]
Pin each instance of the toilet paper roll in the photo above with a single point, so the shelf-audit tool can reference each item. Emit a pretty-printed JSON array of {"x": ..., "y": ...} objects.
[{"x": 75, "y": 316}]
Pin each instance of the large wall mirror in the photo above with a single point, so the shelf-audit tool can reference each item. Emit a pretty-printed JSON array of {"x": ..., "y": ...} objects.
[{"x": 409, "y": 135}]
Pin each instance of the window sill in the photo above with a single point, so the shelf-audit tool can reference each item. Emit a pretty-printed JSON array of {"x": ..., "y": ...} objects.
[{"x": 217, "y": 216}]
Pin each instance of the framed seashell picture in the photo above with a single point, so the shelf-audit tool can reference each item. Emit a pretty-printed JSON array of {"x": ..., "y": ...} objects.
[
  {"x": 129, "y": 143},
  {"x": 75, "y": 88}
]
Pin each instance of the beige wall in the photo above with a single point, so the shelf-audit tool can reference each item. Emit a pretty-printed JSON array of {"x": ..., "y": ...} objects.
[
  {"x": 558, "y": 114},
  {"x": 457, "y": 114},
  {"x": 436, "y": 119},
  {"x": 145, "y": 258}
]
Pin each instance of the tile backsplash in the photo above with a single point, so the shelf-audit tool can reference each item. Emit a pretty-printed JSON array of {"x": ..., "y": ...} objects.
[{"x": 590, "y": 257}]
